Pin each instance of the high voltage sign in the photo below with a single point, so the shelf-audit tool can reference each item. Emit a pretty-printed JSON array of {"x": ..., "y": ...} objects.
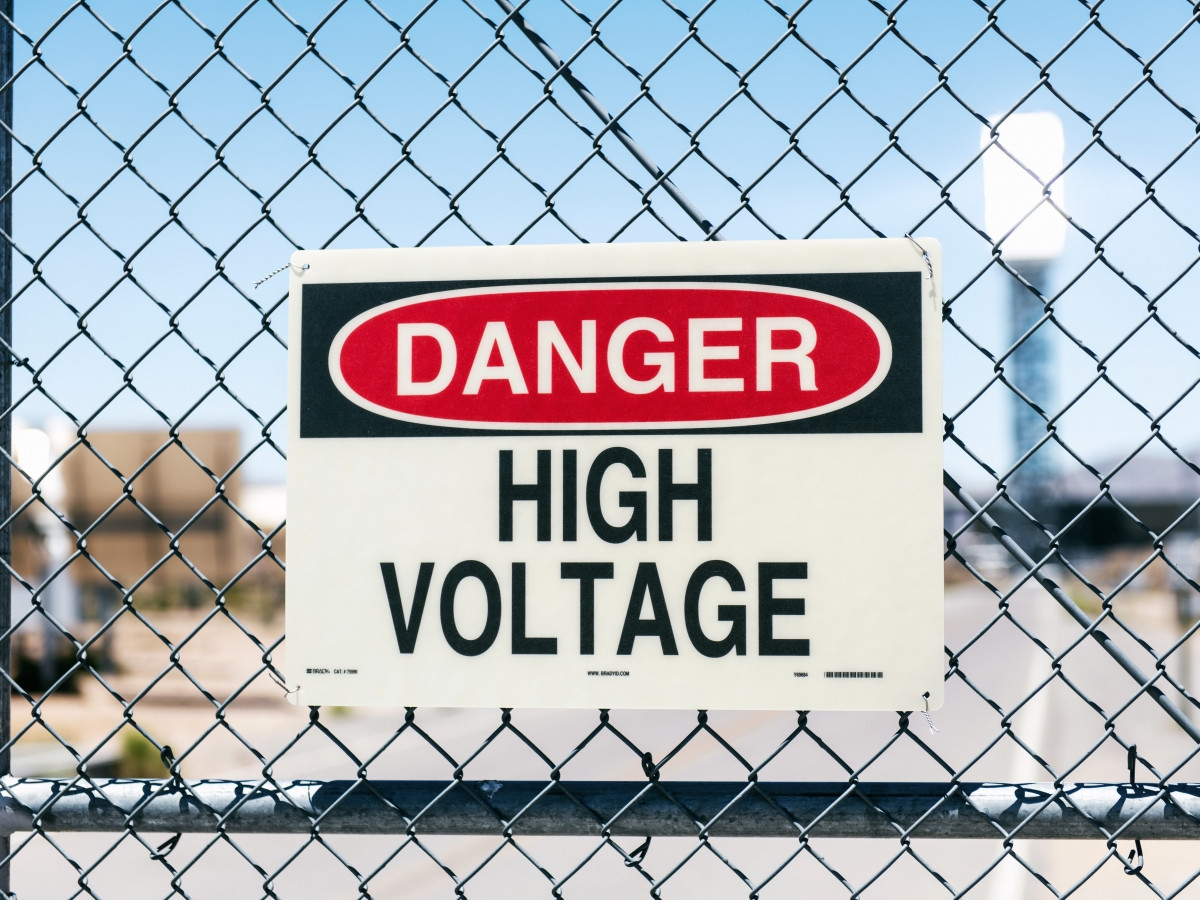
[{"x": 655, "y": 475}]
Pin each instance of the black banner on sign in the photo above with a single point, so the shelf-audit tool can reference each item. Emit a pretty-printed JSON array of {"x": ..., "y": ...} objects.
[{"x": 894, "y": 407}]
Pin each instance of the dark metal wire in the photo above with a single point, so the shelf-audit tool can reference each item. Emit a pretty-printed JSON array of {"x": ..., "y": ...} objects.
[{"x": 609, "y": 132}]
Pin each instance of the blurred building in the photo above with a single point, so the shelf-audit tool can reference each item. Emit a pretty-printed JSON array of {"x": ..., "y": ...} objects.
[
  {"x": 1157, "y": 490},
  {"x": 126, "y": 491}
]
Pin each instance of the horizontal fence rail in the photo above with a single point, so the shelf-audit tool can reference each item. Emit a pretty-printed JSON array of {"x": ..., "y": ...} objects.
[{"x": 600, "y": 808}]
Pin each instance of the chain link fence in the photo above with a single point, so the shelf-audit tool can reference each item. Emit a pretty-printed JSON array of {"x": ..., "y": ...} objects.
[{"x": 159, "y": 159}]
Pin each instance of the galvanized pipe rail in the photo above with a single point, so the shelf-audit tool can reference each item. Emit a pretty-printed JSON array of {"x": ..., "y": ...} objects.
[{"x": 667, "y": 809}]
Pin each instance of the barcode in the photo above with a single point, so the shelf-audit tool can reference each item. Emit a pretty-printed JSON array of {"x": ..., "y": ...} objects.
[{"x": 853, "y": 674}]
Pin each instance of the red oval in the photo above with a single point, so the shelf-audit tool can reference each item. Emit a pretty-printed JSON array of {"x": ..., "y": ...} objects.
[{"x": 850, "y": 357}]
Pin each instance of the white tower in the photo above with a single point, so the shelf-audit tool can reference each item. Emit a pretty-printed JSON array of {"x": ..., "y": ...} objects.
[{"x": 1020, "y": 215}]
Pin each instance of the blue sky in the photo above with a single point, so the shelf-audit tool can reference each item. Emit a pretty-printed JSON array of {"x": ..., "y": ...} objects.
[{"x": 217, "y": 218}]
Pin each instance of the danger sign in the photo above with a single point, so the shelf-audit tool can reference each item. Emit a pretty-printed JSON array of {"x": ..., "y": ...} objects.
[
  {"x": 403, "y": 359},
  {"x": 684, "y": 475}
]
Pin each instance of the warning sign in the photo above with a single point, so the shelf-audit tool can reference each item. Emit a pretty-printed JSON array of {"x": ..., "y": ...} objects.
[{"x": 639, "y": 475}]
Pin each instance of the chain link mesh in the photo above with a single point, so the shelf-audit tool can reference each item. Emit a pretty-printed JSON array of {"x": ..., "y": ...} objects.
[{"x": 166, "y": 156}]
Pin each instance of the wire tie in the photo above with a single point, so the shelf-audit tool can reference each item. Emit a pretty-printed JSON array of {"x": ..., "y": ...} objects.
[
  {"x": 638, "y": 853},
  {"x": 925, "y": 696},
  {"x": 167, "y": 755},
  {"x": 164, "y": 849},
  {"x": 1130, "y": 868},
  {"x": 280, "y": 269},
  {"x": 648, "y": 766},
  {"x": 286, "y": 690},
  {"x": 924, "y": 255}
]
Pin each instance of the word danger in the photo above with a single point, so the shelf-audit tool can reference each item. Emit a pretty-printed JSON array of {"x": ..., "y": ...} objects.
[
  {"x": 558, "y": 355},
  {"x": 647, "y": 590}
]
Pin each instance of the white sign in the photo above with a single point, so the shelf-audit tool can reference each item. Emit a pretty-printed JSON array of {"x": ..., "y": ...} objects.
[{"x": 632, "y": 475}]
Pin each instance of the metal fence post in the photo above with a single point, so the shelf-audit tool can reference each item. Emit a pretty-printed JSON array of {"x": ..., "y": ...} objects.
[{"x": 6, "y": 117}]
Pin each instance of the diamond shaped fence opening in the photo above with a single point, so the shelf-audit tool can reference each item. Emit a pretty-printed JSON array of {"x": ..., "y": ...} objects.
[{"x": 160, "y": 159}]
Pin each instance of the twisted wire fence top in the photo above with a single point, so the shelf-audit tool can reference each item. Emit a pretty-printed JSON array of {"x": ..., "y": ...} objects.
[{"x": 168, "y": 156}]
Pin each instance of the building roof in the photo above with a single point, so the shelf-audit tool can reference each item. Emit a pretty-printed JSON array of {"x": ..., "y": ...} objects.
[{"x": 1150, "y": 478}]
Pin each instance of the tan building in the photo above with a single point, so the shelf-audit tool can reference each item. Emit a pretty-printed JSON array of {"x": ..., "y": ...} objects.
[{"x": 126, "y": 493}]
